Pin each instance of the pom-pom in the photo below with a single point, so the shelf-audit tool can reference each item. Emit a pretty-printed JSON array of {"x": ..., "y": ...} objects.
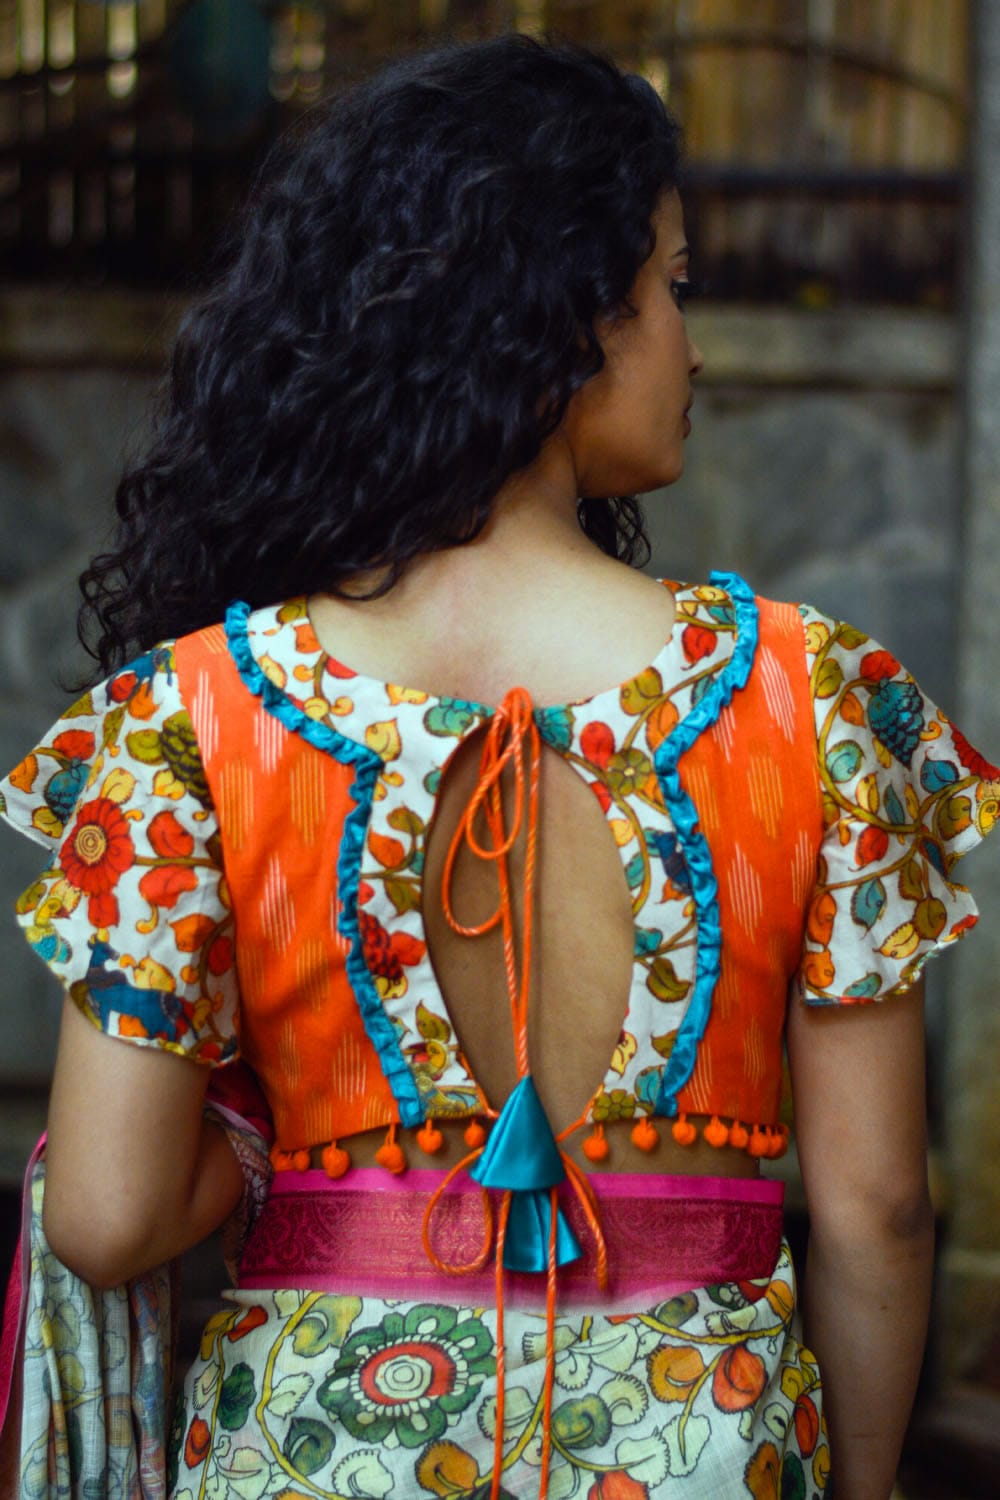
[
  {"x": 739, "y": 1136},
  {"x": 683, "y": 1132},
  {"x": 475, "y": 1135},
  {"x": 715, "y": 1133},
  {"x": 645, "y": 1134},
  {"x": 759, "y": 1142},
  {"x": 335, "y": 1160},
  {"x": 391, "y": 1155},
  {"x": 429, "y": 1138},
  {"x": 595, "y": 1147},
  {"x": 288, "y": 1161}
]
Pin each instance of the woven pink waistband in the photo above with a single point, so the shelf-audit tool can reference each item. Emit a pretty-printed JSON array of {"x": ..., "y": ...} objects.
[{"x": 361, "y": 1236}]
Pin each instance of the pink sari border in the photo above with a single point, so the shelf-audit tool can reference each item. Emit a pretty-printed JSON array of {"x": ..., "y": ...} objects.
[{"x": 361, "y": 1236}]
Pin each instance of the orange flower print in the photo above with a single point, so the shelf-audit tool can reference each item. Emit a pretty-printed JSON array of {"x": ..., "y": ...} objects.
[
  {"x": 598, "y": 744},
  {"x": 806, "y": 1425},
  {"x": 761, "y": 1473},
  {"x": 971, "y": 759},
  {"x": 254, "y": 1317},
  {"x": 878, "y": 665},
  {"x": 822, "y": 911},
  {"x": 698, "y": 642},
  {"x": 617, "y": 1485},
  {"x": 740, "y": 1377},
  {"x": 165, "y": 884},
  {"x": 168, "y": 837},
  {"x": 96, "y": 855},
  {"x": 198, "y": 1442},
  {"x": 819, "y": 970},
  {"x": 386, "y": 956},
  {"x": 306, "y": 639},
  {"x": 871, "y": 846},
  {"x": 673, "y": 1369},
  {"x": 75, "y": 744},
  {"x": 446, "y": 1469}
]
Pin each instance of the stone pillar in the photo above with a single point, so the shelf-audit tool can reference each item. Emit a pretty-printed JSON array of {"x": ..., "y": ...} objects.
[{"x": 969, "y": 1333}]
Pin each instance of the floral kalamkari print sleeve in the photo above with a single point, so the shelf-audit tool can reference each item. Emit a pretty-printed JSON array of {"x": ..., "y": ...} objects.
[
  {"x": 904, "y": 796},
  {"x": 131, "y": 912}
]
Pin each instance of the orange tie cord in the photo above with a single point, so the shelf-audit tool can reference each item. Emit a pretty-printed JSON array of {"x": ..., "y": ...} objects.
[{"x": 512, "y": 734}]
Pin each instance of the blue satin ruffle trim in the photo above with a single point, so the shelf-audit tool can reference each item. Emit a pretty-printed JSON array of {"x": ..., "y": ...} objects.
[
  {"x": 694, "y": 846},
  {"x": 367, "y": 768}
]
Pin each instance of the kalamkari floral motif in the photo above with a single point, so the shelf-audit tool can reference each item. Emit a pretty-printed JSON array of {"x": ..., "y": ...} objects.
[
  {"x": 410, "y": 1377},
  {"x": 707, "y": 1396},
  {"x": 132, "y": 912},
  {"x": 904, "y": 796}
]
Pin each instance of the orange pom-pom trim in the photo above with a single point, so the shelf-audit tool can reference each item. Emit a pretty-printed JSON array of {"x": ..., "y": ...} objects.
[
  {"x": 645, "y": 1134},
  {"x": 760, "y": 1142},
  {"x": 289, "y": 1161},
  {"x": 683, "y": 1132},
  {"x": 715, "y": 1133},
  {"x": 335, "y": 1160},
  {"x": 475, "y": 1135},
  {"x": 429, "y": 1138},
  {"x": 739, "y": 1136},
  {"x": 595, "y": 1147},
  {"x": 391, "y": 1155}
]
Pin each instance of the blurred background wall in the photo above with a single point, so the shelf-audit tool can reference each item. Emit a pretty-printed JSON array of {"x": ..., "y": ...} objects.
[{"x": 838, "y": 455}]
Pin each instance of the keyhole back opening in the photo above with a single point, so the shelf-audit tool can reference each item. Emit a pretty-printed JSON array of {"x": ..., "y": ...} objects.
[{"x": 583, "y": 944}]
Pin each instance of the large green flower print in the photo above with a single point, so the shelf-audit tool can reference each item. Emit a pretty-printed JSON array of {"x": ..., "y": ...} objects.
[{"x": 405, "y": 1379}]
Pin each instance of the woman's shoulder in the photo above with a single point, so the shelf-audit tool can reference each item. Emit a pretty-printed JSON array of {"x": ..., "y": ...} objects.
[{"x": 130, "y": 911}]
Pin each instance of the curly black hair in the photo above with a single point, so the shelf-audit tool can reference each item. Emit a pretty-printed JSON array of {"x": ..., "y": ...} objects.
[{"x": 408, "y": 307}]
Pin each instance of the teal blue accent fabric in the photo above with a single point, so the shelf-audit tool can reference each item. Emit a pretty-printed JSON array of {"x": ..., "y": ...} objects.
[
  {"x": 367, "y": 767},
  {"x": 697, "y": 855},
  {"x": 521, "y": 1151},
  {"x": 526, "y": 1245}
]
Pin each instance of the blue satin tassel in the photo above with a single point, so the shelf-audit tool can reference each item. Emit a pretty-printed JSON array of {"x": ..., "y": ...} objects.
[
  {"x": 522, "y": 1157},
  {"x": 526, "y": 1244},
  {"x": 521, "y": 1152}
]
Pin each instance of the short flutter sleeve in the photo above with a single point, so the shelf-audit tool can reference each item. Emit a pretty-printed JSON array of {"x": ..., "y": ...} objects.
[
  {"x": 132, "y": 911},
  {"x": 904, "y": 797}
]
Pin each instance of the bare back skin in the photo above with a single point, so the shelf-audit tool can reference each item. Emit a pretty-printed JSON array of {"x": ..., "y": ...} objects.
[{"x": 563, "y": 633}]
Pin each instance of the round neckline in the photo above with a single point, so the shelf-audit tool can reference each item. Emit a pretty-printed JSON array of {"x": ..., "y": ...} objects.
[{"x": 485, "y": 710}]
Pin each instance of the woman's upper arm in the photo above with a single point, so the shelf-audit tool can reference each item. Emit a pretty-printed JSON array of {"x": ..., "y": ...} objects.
[
  {"x": 123, "y": 1142},
  {"x": 860, "y": 1108}
]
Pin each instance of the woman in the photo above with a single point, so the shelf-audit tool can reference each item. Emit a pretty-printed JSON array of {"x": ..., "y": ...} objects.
[{"x": 334, "y": 839}]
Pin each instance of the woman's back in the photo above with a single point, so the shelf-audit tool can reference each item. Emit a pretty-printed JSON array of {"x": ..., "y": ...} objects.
[{"x": 516, "y": 611}]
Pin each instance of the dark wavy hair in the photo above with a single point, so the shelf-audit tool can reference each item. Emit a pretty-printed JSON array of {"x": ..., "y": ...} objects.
[{"x": 407, "y": 308}]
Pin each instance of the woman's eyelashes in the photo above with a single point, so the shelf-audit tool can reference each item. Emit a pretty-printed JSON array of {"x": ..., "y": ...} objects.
[{"x": 683, "y": 289}]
